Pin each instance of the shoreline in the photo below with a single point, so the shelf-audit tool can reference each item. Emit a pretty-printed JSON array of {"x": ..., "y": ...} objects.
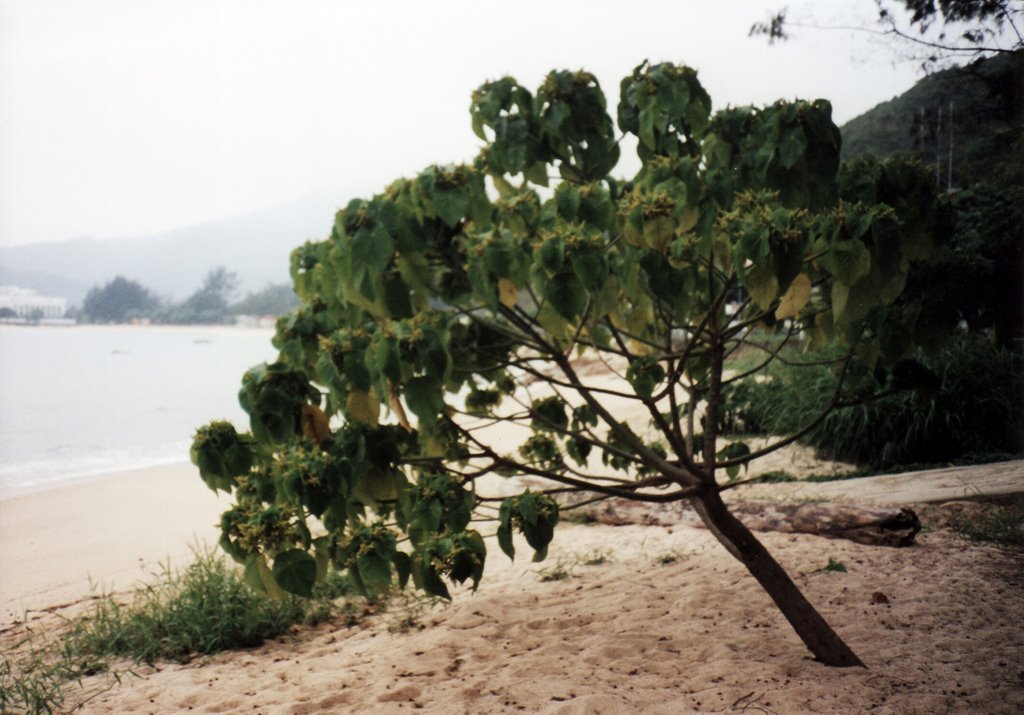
[
  {"x": 8, "y": 491},
  {"x": 168, "y": 327},
  {"x": 102, "y": 533}
]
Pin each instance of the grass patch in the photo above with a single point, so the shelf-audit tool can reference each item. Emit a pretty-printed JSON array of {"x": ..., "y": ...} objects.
[
  {"x": 670, "y": 557},
  {"x": 774, "y": 477},
  {"x": 595, "y": 557},
  {"x": 998, "y": 523},
  {"x": 201, "y": 609},
  {"x": 834, "y": 566},
  {"x": 563, "y": 568},
  {"x": 408, "y": 611},
  {"x": 579, "y": 517},
  {"x": 559, "y": 572}
]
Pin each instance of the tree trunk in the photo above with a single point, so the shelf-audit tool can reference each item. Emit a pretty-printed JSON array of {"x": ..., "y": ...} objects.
[{"x": 817, "y": 635}]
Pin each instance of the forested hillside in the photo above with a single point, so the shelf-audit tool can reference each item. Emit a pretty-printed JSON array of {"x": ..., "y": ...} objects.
[{"x": 987, "y": 99}]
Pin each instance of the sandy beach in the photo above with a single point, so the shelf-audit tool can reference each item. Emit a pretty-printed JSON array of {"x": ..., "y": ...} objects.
[
  {"x": 649, "y": 619},
  {"x": 104, "y": 533}
]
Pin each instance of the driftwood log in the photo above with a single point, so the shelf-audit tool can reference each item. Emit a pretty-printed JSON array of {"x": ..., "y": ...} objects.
[{"x": 877, "y": 526}]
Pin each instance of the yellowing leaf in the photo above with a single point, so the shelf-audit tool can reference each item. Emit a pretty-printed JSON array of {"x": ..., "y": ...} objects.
[
  {"x": 891, "y": 290},
  {"x": 658, "y": 232},
  {"x": 640, "y": 348},
  {"x": 267, "y": 578},
  {"x": 762, "y": 285},
  {"x": 795, "y": 298},
  {"x": 688, "y": 218},
  {"x": 314, "y": 423},
  {"x": 507, "y": 292},
  {"x": 363, "y": 406},
  {"x": 722, "y": 252}
]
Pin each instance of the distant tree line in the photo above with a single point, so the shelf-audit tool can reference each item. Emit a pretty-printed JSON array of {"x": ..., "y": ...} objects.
[{"x": 123, "y": 300}]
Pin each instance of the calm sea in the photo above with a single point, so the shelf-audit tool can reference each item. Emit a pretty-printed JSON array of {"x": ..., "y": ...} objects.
[{"x": 87, "y": 400}]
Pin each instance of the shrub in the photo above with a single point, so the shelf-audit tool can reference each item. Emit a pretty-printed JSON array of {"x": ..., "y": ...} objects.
[{"x": 975, "y": 409}]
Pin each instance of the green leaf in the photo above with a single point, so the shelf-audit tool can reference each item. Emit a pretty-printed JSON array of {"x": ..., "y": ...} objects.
[
  {"x": 548, "y": 414},
  {"x": 375, "y": 571},
  {"x": 762, "y": 284},
  {"x": 372, "y": 249},
  {"x": 583, "y": 415},
  {"x": 849, "y": 261},
  {"x": 553, "y": 323},
  {"x": 792, "y": 147},
  {"x": 424, "y": 397},
  {"x": 590, "y": 266},
  {"x": 295, "y": 572},
  {"x": 499, "y": 258},
  {"x": 646, "y": 132},
  {"x": 567, "y": 295},
  {"x": 428, "y": 515},
  {"x": 567, "y": 199},
  {"x": 645, "y": 374},
  {"x": 505, "y": 527},
  {"x": 426, "y": 578},
  {"x": 539, "y": 536},
  {"x": 527, "y": 507},
  {"x": 537, "y": 172},
  {"x": 552, "y": 254},
  {"x": 403, "y": 567},
  {"x": 578, "y": 449},
  {"x": 505, "y": 541},
  {"x": 386, "y": 358},
  {"x": 734, "y": 451},
  {"x": 451, "y": 204},
  {"x": 397, "y": 297}
]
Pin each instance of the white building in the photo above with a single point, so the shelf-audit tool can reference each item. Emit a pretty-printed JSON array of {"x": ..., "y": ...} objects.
[{"x": 25, "y": 303}]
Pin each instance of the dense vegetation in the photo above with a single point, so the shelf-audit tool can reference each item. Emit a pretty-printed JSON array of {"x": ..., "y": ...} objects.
[{"x": 968, "y": 409}]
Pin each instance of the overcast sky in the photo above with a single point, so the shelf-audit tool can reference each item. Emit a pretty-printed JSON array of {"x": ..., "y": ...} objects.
[{"x": 131, "y": 117}]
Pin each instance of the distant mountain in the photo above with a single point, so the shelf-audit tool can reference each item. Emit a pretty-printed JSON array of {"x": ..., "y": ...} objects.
[
  {"x": 988, "y": 115},
  {"x": 987, "y": 99},
  {"x": 173, "y": 264}
]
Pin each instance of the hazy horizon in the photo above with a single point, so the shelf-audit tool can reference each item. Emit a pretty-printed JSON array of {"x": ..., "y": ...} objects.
[{"x": 133, "y": 118}]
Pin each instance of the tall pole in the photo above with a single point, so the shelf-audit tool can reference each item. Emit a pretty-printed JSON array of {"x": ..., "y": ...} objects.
[
  {"x": 938, "y": 147},
  {"x": 949, "y": 175}
]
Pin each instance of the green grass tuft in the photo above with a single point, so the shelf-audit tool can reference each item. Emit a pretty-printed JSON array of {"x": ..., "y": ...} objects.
[
  {"x": 1002, "y": 525},
  {"x": 834, "y": 566},
  {"x": 201, "y": 609}
]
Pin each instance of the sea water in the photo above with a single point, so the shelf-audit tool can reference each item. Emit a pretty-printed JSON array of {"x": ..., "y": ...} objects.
[{"x": 86, "y": 400}]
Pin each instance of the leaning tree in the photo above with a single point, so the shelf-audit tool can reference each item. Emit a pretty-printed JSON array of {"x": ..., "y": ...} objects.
[{"x": 446, "y": 323}]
